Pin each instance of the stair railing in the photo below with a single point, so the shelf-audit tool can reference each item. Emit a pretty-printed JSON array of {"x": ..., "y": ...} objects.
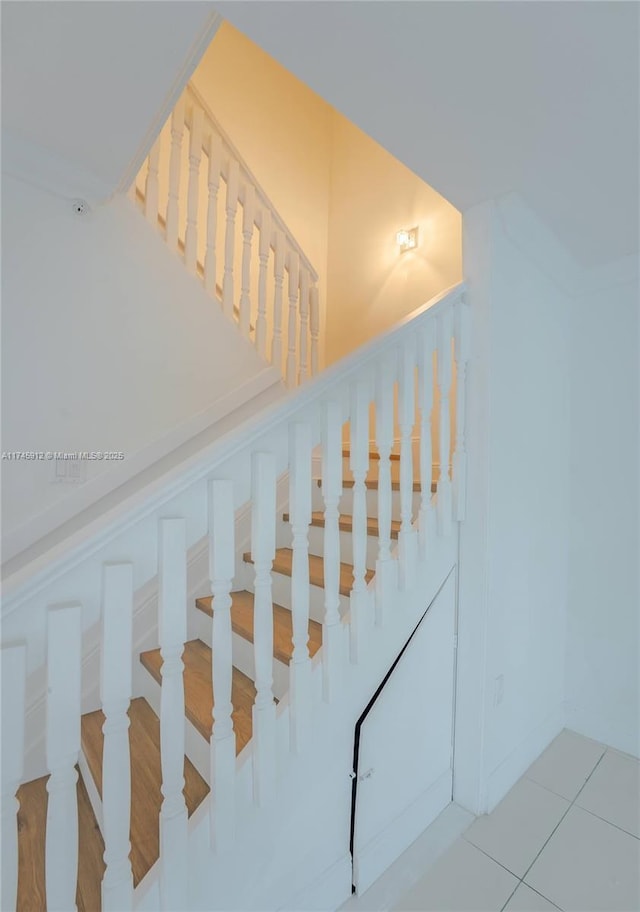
[
  {"x": 96, "y": 585},
  {"x": 190, "y": 187}
]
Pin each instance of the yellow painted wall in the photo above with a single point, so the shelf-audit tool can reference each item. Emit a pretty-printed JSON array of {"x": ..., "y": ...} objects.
[{"x": 372, "y": 286}]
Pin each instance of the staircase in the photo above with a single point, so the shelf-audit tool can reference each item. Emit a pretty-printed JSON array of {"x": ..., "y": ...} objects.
[{"x": 174, "y": 681}]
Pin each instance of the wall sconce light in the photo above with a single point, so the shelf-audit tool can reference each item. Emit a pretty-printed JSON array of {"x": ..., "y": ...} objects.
[{"x": 407, "y": 239}]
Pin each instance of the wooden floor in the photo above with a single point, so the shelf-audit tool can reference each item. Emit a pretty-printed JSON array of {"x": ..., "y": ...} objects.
[
  {"x": 146, "y": 797},
  {"x": 32, "y": 819},
  {"x": 242, "y": 624},
  {"x": 198, "y": 694}
]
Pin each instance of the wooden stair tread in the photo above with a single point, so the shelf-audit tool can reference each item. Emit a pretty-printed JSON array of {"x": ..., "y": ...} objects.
[
  {"x": 371, "y": 484},
  {"x": 346, "y": 524},
  {"x": 198, "y": 694},
  {"x": 146, "y": 797},
  {"x": 373, "y": 455},
  {"x": 32, "y": 824},
  {"x": 242, "y": 624},
  {"x": 283, "y": 563}
]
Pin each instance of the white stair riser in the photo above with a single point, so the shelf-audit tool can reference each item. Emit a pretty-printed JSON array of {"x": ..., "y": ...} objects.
[
  {"x": 316, "y": 546},
  {"x": 346, "y": 502},
  {"x": 281, "y": 593},
  {"x": 243, "y": 660}
]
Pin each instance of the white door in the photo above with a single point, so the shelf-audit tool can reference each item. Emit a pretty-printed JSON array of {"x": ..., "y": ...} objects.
[{"x": 404, "y": 774}]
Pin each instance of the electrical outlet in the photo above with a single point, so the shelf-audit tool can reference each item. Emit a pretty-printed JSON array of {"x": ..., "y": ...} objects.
[
  {"x": 69, "y": 471},
  {"x": 498, "y": 690}
]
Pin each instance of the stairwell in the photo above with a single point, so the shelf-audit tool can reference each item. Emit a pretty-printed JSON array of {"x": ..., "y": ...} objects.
[{"x": 194, "y": 758}]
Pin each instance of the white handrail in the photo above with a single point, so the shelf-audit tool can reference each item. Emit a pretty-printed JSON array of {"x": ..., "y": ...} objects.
[{"x": 201, "y": 500}]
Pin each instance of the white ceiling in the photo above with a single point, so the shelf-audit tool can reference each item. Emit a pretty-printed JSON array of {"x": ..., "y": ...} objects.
[
  {"x": 86, "y": 81},
  {"x": 482, "y": 98}
]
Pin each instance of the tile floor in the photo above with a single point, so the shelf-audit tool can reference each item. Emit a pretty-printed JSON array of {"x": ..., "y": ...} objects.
[{"x": 567, "y": 836}]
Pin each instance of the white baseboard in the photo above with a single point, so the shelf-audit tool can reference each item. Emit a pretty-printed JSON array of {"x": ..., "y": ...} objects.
[
  {"x": 381, "y": 851},
  {"x": 519, "y": 760},
  {"x": 325, "y": 894}
]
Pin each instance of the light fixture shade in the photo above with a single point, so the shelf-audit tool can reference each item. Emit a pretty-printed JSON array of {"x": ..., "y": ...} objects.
[{"x": 407, "y": 239}]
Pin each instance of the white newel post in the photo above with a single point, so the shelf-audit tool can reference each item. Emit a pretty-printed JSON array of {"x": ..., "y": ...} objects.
[
  {"x": 115, "y": 693},
  {"x": 425, "y": 396},
  {"x": 462, "y": 333},
  {"x": 14, "y": 673},
  {"x": 300, "y": 511},
  {"x": 294, "y": 281},
  {"x": 195, "y": 154},
  {"x": 223, "y": 743},
  {"x": 444, "y": 499},
  {"x": 278, "y": 294},
  {"x": 359, "y": 464},
  {"x": 407, "y": 539},
  {"x": 213, "y": 184},
  {"x": 314, "y": 322},
  {"x": 386, "y": 567},
  {"x": 248, "y": 215},
  {"x": 172, "y": 629},
  {"x": 233, "y": 178},
  {"x": 263, "y": 254},
  {"x": 64, "y": 652},
  {"x": 332, "y": 638},
  {"x": 152, "y": 186},
  {"x": 173, "y": 200},
  {"x": 303, "y": 372},
  {"x": 263, "y": 549}
]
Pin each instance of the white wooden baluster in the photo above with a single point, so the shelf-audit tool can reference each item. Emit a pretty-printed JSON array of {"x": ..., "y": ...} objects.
[
  {"x": 152, "y": 186},
  {"x": 229, "y": 238},
  {"x": 332, "y": 631},
  {"x": 195, "y": 155},
  {"x": 14, "y": 671},
  {"x": 444, "y": 500},
  {"x": 213, "y": 183},
  {"x": 425, "y": 395},
  {"x": 248, "y": 214},
  {"x": 172, "y": 624},
  {"x": 115, "y": 693},
  {"x": 303, "y": 372},
  {"x": 64, "y": 650},
  {"x": 460, "y": 454},
  {"x": 314, "y": 320},
  {"x": 278, "y": 272},
  {"x": 263, "y": 548},
  {"x": 300, "y": 510},
  {"x": 223, "y": 742},
  {"x": 386, "y": 567},
  {"x": 407, "y": 539},
  {"x": 265, "y": 247},
  {"x": 173, "y": 200},
  {"x": 294, "y": 282},
  {"x": 359, "y": 464}
]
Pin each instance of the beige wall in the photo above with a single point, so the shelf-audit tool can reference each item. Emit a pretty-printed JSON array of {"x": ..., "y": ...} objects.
[
  {"x": 372, "y": 286},
  {"x": 342, "y": 195}
]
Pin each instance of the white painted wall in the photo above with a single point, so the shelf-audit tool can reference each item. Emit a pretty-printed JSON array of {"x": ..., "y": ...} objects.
[
  {"x": 87, "y": 85},
  {"x": 603, "y": 644},
  {"x": 108, "y": 344},
  {"x": 514, "y": 544},
  {"x": 480, "y": 99}
]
